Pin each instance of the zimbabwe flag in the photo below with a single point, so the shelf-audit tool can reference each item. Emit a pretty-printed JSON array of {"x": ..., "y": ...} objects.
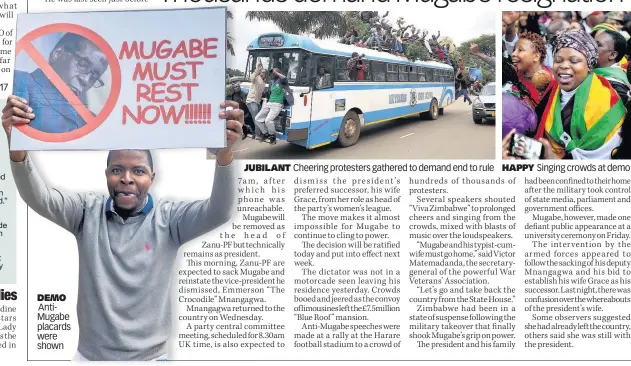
[{"x": 597, "y": 117}]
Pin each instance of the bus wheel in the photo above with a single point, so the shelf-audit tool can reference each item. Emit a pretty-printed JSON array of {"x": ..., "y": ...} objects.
[
  {"x": 433, "y": 111},
  {"x": 349, "y": 130}
]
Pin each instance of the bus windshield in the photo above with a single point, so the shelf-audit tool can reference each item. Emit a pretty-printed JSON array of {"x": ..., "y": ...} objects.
[{"x": 285, "y": 60}]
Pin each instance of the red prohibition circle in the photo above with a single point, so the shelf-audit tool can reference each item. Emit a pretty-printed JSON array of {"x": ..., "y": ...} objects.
[{"x": 25, "y": 44}]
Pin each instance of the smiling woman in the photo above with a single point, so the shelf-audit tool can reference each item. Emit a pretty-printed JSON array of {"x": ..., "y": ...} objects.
[
  {"x": 528, "y": 57},
  {"x": 576, "y": 108},
  {"x": 582, "y": 116}
]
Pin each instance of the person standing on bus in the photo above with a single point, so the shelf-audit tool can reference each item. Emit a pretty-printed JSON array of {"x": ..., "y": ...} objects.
[
  {"x": 361, "y": 68},
  {"x": 255, "y": 94},
  {"x": 351, "y": 36},
  {"x": 271, "y": 109},
  {"x": 375, "y": 38},
  {"x": 351, "y": 66}
]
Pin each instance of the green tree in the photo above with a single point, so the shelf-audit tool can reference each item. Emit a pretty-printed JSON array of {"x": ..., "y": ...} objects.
[
  {"x": 488, "y": 75},
  {"x": 417, "y": 51},
  {"x": 363, "y": 29},
  {"x": 229, "y": 74},
  {"x": 445, "y": 41},
  {"x": 322, "y": 24},
  {"x": 486, "y": 45},
  {"x": 234, "y": 72}
]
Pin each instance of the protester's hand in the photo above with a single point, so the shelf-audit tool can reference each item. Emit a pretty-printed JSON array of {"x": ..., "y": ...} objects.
[
  {"x": 548, "y": 152},
  {"x": 234, "y": 130},
  {"x": 510, "y": 17},
  {"x": 16, "y": 112},
  {"x": 506, "y": 146},
  {"x": 475, "y": 49}
]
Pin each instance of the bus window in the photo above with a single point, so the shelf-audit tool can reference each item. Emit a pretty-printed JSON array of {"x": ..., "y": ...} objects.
[
  {"x": 429, "y": 75},
  {"x": 254, "y": 60},
  {"x": 413, "y": 74},
  {"x": 392, "y": 73},
  {"x": 421, "y": 74},
  {"x": 286, "y": 61},
  {"x": 340, "y": 66},
  {"x": 307, "y": 69},
  {"x": 378, "y": 71},
  {"x": 325, "y": 68},
  {"x": 403, "y": 73}
]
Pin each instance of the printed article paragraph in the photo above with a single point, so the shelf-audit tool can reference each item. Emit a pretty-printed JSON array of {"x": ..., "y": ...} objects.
[{"x": 435, "y": 257}]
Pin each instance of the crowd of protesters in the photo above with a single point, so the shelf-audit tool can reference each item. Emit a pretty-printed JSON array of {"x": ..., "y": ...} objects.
[
  {"x": 565, "y": 83},
  {"x": 379, "y": 34}
]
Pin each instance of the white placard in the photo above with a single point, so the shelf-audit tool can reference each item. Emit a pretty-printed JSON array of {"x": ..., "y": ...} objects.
[{"x": 122, "y": 79}]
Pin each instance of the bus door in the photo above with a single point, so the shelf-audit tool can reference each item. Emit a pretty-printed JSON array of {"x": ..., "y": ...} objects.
[{"x": 322, "y": 102}]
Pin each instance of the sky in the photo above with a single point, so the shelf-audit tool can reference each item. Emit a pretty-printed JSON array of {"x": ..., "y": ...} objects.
[{"x": 460, "y": 26}]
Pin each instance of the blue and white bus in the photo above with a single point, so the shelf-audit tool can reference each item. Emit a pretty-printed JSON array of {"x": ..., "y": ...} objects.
[{"x": 328, "y": 106}]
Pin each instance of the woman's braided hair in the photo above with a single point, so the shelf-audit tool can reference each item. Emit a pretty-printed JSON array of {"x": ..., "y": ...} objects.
[{"x": 509, "y": 75}]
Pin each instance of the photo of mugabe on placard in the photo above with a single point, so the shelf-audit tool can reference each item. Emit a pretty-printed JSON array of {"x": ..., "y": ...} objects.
[{"x": 156, "y": 84}]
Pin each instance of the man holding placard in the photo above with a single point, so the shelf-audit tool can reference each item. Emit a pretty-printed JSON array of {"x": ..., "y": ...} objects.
[{"x": 127, "y": 241}]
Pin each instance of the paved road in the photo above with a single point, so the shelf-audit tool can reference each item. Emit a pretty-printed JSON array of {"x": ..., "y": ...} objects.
[{"x": 452, "y": 136}]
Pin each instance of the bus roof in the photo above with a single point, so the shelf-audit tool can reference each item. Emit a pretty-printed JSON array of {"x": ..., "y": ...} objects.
[{"x": 280, "y": 40}]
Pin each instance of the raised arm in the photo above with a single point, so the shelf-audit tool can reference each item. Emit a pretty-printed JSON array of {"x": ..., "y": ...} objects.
[
  {"x": 488, "y": 59},
  {"x": 190, "y": 220},
  {"x": 278, "y": 73},
  {"x": 509, "y": 18},
  {"x": 64, "y": 209},
  {"x": 257, "y": 72}
]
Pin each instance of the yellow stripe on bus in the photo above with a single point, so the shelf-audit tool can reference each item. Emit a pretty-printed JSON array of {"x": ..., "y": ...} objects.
[{"x": 318, "y": 145}]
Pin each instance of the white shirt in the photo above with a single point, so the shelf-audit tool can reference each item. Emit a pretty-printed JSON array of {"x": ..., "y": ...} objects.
[
  {"x": 566, "y": 96},
  {"x": 549, "y": 56},
  {"x": 510, "y": 46}
]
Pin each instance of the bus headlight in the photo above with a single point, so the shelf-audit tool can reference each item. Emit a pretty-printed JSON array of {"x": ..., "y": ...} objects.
[
  {"x": 287, "y": 122},
  {"x": 477, "y": 104}
]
